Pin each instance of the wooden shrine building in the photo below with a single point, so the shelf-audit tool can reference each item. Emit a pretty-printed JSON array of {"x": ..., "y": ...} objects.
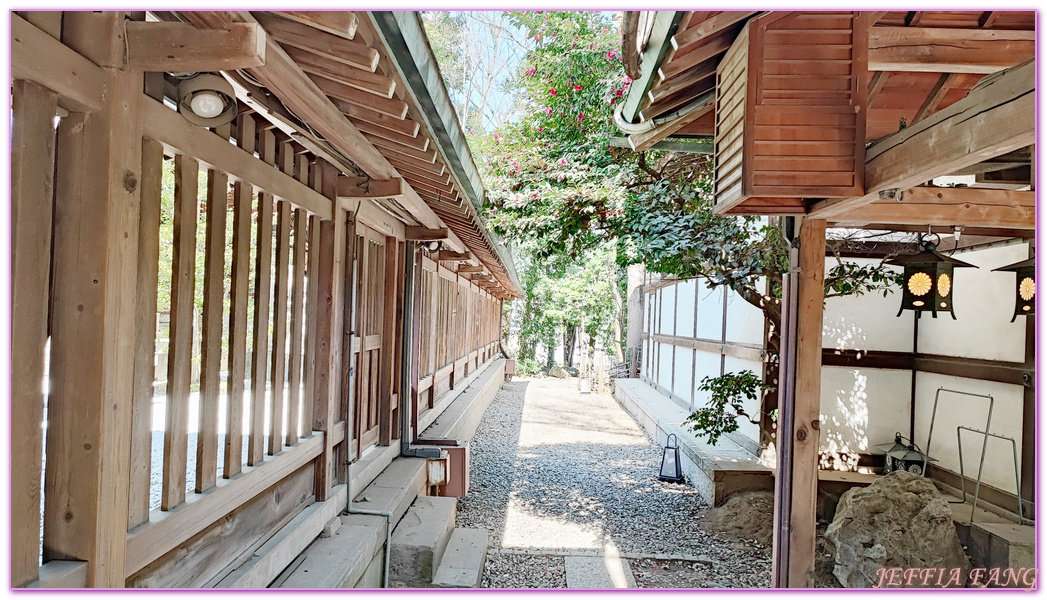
[
  {"x": 848, "y": 120},
  {"x": 247, "y": 271}
]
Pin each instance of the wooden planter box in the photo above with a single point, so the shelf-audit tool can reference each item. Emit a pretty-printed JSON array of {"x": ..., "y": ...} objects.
[{"x": 790, "y": 112}]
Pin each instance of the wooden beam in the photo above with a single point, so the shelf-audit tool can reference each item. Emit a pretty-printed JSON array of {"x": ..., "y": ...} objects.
[
  {"x": 40, "y": 58},
  {"x": 181, "y": 47},
  {"x": 943, "y": 206},
  {"x": 309, "y": 38},
  {"x": 944, "y": 50},
  {"x": 709, "y": 27},
  {"x": 370, "y": 189},
  {"x": 988, "y": 18},
  {"x": 913, "y": 18},
  {"x": 644, "y": 141},
  {"x": 391, "y": 107},
  {"x": 415, "y": 142},
  {"x": 422, "y": 234},
  {"x": 472, "y": 269},
  {"x": 935, "y": 97},
  {"x": 342, "y": 23},
  {"x": 993, "y": 119},
  {"x": 699, "y": 53},
  {"x": 317, "y": 64},
  {"x": 357, "y": 113},
  {"x": 169, "y": 128},
  {"x": 1012, "y": 178},
  {"x": 876, "y": 85},
  {"x": 445, "y": 255}
]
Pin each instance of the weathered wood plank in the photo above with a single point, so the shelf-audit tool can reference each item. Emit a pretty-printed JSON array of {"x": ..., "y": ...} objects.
[
  {"x": 211, "y": 333},
  {"x": 195, "y": 561},
  {"x": 57, "y": 574},
  {"x": 306, "y": 37},
  {"x": 263, "y": 281},
  {"x": 278, "y": 381},
  {"x": 327, "y": 346},
  {"x": 145, "y": 333},
  {"x": 32, "y": 189},
  {"x": 167, "y": 530},
  {"x": 297, "y": 327},
  {"x": 38, "y": 57},
  {"x": 92, "y": 356},
  {"x": 179, "y": 366},
  {"x": 329, "y": 68},
  {"x": 944, "y": 50},
  {"x": 311, "y": 307},
  {"x": 182, "y": 48},
  {"x": 974, "y": 207},
  {"x": 342, "y": 23},
  {"x": 180, "y": 137}
]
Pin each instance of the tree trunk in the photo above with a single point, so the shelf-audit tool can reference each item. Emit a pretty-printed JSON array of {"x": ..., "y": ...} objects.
[{"x": 570, "y": 334}]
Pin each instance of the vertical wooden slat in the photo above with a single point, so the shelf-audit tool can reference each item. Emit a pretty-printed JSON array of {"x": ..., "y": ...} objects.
[
  {"x": 297, "y": 298},
  {"x": 278, "y": 382},
  {"x": 327, "y": 346},
  {"x": 388, "y": 352},
  {"x": 309, "y": 377},
  {"x": 211, "y": 334},
  {"x": 179, "y": 366},
  {"x": 92, "y": 356},
  {"x": 145, "y": 333},
  {"x": 238, "y": 284},
  {"x": 263, "y": 274},
  {"x": 32, "y": 190}
]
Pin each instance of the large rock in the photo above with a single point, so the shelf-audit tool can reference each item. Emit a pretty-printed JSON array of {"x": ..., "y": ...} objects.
[
  {"x": 559, "y": 371},
  {"x": 900, "y": 521}
]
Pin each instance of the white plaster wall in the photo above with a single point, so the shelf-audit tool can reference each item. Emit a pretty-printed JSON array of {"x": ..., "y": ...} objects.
[
  {"x": 862, "y": 408},
  {"x": 710, "y": 312},
  {"x": 955, "y": 410},
  {"x": 866, "y": 322},
  {"x": 664, "y": 371},
  {"x": 736, "y": 365},
  {"x": 668, "y": 302},
  {"x": 983, "y": 305},
  {"x": 707, "y": 364},
  {"x": 744, "y": 321},
  {"x": 685, "y": 308},
  {"x": 682, "y": 371}
]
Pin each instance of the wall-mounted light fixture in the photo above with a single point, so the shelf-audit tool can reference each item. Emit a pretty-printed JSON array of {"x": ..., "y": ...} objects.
[
  {"x": 1024, "y": 287},
  {"x": 207, "y": 100},
  {"x": 928, "y": 280},
  {"x": 432, "y": 246}
]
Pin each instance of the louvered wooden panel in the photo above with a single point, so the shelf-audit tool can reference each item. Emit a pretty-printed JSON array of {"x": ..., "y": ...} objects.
[
  {"x": 728, "y": 141},
  {"x": 796, "y": 128}
]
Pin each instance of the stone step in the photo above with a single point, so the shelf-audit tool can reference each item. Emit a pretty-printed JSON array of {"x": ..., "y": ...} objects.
[
  {"x": 419, "y": 541},
  {"x": 395, "y": 488},
  {"x": 339, "y": 561},
  {"x": 462, "y": 565}
]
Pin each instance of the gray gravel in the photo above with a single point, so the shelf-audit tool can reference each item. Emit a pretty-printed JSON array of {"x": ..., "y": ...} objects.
[{"x": 558, "y": 472}]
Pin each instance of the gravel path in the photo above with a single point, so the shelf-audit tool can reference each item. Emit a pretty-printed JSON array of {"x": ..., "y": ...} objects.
[{"x": 556, "y": 472}]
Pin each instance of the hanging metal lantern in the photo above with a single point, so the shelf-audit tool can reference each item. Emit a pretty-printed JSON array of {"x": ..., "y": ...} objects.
[
  {"x": 1024, "y": 287},
  {"x": 928, "y": 280},
  {"x": 670, "y": 470},
  {"x": 901, "y": 456}
]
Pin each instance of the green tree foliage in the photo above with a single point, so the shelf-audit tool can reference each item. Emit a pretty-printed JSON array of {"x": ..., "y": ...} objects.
[{"x": 726, "y": 395}]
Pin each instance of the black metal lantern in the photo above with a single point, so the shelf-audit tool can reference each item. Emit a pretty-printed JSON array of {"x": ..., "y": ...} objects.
[
  {"x": 901, "y": 456},
  {"x": 1024, "y": 287},
  {"x": 928, "y": 281},
  {"x": 670, "y": 470}
]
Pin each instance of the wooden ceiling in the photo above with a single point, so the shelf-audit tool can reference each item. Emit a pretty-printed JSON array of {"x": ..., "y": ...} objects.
[{"x": 381, "y": 129}]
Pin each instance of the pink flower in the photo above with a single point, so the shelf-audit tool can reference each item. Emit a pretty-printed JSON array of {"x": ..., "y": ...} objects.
[
  {"x": 581, "y": 116},
  {"x": 552, "y": 91},
  {"x": 618, "y": 93},
  {"x": 548, "y": 111},
  {"x": 532, "y": 71},
  {"x": 611, "y": 54},
  {"x": 563, "y": 161},
  {"x": 628, "y": 80},
  {"x": 496, "y": 137},
  {"x": 577, "y": 88},
  {"x": 613, "y": 101},
  {"x": 540, "y": 130},
  {"x": 534, "y": 196}
]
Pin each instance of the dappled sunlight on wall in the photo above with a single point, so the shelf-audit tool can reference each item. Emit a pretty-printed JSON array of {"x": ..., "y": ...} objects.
[{"x": 860, "y": 408}]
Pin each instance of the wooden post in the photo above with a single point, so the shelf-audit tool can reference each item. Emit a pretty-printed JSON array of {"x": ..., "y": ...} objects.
[
  {"x": 387, "y": 366},
  {"x": 796, "y": 484},
  {"x": 263, "y": 273},
  {"x": 32, "y": 189},
  {"x": 327, "y": 345},
  {"x": 211, "y": 335},
  {"x": 92, "y": 364}
]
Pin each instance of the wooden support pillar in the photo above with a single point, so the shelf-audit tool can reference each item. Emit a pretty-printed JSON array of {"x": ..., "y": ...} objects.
[
  {"x": 796, "y": 483},
  {"x": 32, "y": 188},
  {"x": 387, "y": 366},
  {"x": 92, "y": 354},
  {"x": 327, "y": 347}
]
